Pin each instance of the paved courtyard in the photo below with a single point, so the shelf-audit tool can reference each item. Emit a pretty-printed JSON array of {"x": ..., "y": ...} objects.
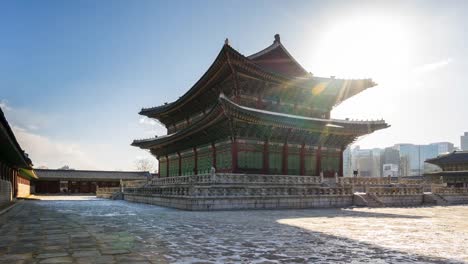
[{"x": 90, "y": 230}]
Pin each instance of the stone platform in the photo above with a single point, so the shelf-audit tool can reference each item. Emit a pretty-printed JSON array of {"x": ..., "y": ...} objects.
[
  {"x": 240, "y": 191},
  {"x": 209, "y": 192}
]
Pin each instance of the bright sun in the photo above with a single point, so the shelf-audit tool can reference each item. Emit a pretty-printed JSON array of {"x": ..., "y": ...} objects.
[{"x": 363, "y": 47}]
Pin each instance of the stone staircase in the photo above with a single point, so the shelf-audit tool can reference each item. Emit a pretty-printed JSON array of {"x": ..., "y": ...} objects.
[
  {"x": 433, "y": 198},
  {"x": 369, "y": 200},
  {"x": 440, "y": 200},
  {"x": 117, "y": 196},
  {"x": 374, "y": 201}
]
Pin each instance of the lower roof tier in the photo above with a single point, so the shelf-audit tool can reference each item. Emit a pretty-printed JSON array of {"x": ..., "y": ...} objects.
[{"x": 230, "y": 120}]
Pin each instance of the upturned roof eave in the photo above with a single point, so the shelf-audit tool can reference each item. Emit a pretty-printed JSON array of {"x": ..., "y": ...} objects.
[
  {"x": 227, "y": 106},
  {"x": 301, "y": 82}
]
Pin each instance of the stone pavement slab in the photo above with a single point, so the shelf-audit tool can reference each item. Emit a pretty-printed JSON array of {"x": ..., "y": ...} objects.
[{"x": 104, "y": 231}]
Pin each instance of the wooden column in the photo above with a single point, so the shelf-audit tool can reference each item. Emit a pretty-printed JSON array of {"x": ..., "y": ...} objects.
[
  {"x": 302, "y": 159},
  {"x": 180, "y": 163},
  {"x": 167, "y": 166},
  {"x": 285, "y": 158},
  {"x": 341, "y": 162},
  {"x": 159, "y": 169},
  {"x": 318, "y": 161},
  {"x": 195, "y": 156},
  {"x": 234, "y": 150},
  {"x": 15, "y": 176},
  {"x": 266, "y": 160},
  {"x": 213, "y": 146}
]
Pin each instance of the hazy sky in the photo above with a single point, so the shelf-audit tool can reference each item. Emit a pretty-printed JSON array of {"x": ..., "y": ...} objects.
[{"x": 74, "y": 74}]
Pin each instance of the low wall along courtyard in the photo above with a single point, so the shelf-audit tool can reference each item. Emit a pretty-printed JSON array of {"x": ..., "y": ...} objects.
[
  {"x": 226, "y": 191},
  {"x": 6, "y": 192}
]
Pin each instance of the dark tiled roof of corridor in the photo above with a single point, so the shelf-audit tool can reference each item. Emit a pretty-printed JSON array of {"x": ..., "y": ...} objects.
[{"x": 91, "y": 174}]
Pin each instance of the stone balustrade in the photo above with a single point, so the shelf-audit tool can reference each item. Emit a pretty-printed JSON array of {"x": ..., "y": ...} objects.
[
  {"x": 231, "y": 178},
  {"x": 450, "y": 190},
  {"x": 395, "y": 190},
  {"x": 412, "y": 181},
  {"x": 134, "y": 183},
  {"x": 239, "y": 191},
  {"x": 363, "y": 181},
  {"x": 107, "y": 190}
]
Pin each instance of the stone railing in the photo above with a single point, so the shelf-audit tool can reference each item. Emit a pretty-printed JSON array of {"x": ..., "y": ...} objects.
[
  {"x": 106, "y": 192},
  {"x": 238, "y": 191},
  {"x": 230, "y": 178},
  {"x": 364, "y": 181},
  {"x": 450, "y": 190},
  {"x": 412, "y": 181},
  {"x": 395, "y": 190},
  {"x": 134, "y": 183},
  {"x": 159, "y": 191}
]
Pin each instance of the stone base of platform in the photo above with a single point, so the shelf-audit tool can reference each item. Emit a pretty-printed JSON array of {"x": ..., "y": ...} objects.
[{"x": 231, "y": 203}]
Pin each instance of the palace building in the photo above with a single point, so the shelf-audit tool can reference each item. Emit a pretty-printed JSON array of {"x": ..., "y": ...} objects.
[
  {"x": 257, "y": 114},
  {"x": 16, "y": 175},
  {"x": 454, "y": 169}
]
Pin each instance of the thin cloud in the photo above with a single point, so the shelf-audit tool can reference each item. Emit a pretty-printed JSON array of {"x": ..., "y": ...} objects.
[
  {"x": 45, "y": 152},
  {"x": 147, "y": 121},
  {"x": 433, "y": 66},
  {"x": 155, "y": 127},
  {"x": 4, "y": 105}
]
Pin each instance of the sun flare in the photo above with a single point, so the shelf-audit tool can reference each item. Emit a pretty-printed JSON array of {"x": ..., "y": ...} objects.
[{"x": 363, "y": 47}]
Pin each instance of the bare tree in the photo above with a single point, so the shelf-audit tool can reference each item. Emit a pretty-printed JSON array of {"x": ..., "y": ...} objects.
[
  {"x": 65, "y": 167},
  {"x": 145, "y": 165}
]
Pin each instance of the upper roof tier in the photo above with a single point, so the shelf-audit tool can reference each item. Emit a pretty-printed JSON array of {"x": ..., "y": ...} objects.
[
  {"x": 10, "y": 151},
  {"x": 276, "y": 58},
  {"x": 273, "y": 64}
]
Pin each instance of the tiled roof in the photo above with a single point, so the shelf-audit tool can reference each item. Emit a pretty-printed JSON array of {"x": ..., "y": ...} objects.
[
  {"x": 46, "y": 174},
  {"x": 451, "y": 158},
  {"x": 10, "y": 151}
]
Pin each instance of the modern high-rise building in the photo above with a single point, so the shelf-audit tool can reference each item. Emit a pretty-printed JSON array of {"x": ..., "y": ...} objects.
[
  {"x": 391, "y": 157},
  {"x": 464, "y": 141},
  {"x": 366, "y": 161},
  {"x": 399, "y": 160},
  {"x": 347, "y": 170},
  {"x": 415, "y": 156},
  {"x": 444, "y": 147}
]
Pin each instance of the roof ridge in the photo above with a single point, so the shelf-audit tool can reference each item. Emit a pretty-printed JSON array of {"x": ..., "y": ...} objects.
[{"x": 73, "y": 170}]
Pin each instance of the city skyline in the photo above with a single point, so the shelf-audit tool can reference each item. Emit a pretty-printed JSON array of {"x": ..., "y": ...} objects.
[
  {"x": 73, "y": 101},
  {"x": 407, "y": 159}
]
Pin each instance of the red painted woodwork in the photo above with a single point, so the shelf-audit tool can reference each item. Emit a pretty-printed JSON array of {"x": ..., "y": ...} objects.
[
  {"x": 15, "y": 184},
  {"x": 318, "y": 164},
  {"x": 285, "y": 158},
  {"x": 302, "y": 159},
  {"x": 180, "y": 163},
  {"x": 167, "y": 166},
  {"x": 159, "y": 168},
  {"x": 341, "y": 161}
]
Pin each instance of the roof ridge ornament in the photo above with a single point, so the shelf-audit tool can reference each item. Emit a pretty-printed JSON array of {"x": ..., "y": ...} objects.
[
  {"x": 226, "y": 41},
  {"x": 277, "y": 38}
]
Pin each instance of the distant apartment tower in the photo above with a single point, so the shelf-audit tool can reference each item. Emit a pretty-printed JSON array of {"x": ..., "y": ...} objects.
[
  {"x": 390, "y": 157},
  {"x": 444, "y": 147},
  {"x": 412, "y": 157},
  {"x": 366, "y": 161},
  {"x": 391, "y": 170},
  {"x": 464, "y": 141},
  {"x": 347, "y": 168}
]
